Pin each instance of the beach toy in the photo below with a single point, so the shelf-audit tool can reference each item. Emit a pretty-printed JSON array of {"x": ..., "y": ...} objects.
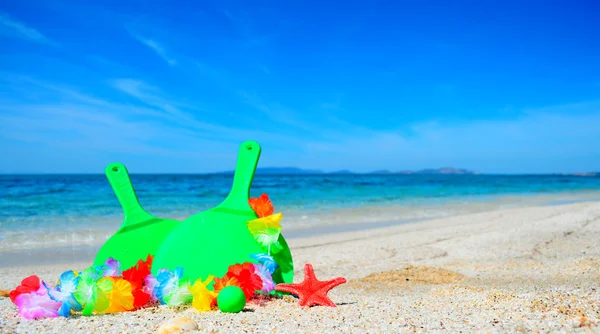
[
  {"x": 209, "y": 242},
  {"x": 231, "y": 299},
  {"x": 141, "y": 233}
]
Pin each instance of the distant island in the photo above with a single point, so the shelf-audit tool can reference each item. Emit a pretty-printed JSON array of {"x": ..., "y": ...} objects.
[
  {"x": 428, "y": 171},
  {"x": 445, "y": 170},
  {"x": 592, "y": 174},
  {"x": 300, "y": 171}
]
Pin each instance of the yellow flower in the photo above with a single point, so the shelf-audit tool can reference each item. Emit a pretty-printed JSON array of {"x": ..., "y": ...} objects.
[
  {"x": 261, "y": 225},
  {"x": 202, "y": 297}
]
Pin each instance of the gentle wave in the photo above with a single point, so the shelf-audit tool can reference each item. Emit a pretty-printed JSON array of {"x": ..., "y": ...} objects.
[
  {"x": 24, "y": 241},
  {"x": 75, "y": 209},
  {"x": 86, "y": 231}
]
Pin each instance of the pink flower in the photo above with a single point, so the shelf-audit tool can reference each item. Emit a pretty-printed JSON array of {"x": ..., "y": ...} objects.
[
  {"x": 37, "y": 304},
  {"x": 150, "y": 285},
  {"x": 111, "y": 267},
  {"x": 267, "y": 280}
]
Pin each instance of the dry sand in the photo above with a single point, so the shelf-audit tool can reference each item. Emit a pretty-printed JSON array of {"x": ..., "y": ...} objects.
[{"x": 526, "y": 270}]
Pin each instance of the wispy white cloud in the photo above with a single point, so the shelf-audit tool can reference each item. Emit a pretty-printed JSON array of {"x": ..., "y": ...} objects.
[
  {"x": 158, "y": 127},
  {"x": 156, "y": 47},
  {"x": 526, "y": 139},
  {"x": 175, "y": 112},
  {"x": 153, "y": 121},
  {"x": 10, "y": 26},
  {"x": 143, "y": 92},
  {"x": 533, "y": 136},
  {"x": 32, "y": 85},
  {"x": 322, "y": 125},
  {"x": 84, "y": 125},
  {"x": 274, "y": 111},
  {"x": 547, "y": 139}
]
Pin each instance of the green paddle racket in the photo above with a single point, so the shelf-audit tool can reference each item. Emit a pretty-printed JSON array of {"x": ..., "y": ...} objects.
[
  {"x": 209, "y": 242},
  {"x": 141, "y": 233}
]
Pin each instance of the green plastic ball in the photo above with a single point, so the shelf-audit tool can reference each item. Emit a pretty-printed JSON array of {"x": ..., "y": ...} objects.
[{"x": 231, "y": 299}]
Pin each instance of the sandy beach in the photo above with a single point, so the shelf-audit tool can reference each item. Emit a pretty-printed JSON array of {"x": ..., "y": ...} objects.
[{"x": 534, "y": 269}]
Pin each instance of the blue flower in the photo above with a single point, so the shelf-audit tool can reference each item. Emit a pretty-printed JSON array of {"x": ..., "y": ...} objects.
[
  {"x": 63, "y": 292},
  {"x": 167, "y": 283},
  {"x": 267, "y": 261}
]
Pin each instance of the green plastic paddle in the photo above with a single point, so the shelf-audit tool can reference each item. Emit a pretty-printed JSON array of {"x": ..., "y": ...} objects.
[
  {"x": 141, "y": 233},
  {"x": 209, "y": 242}
]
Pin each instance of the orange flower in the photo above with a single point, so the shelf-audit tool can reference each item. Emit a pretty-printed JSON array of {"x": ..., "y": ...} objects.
[
  {"x": 221, "y": 283},
  {"x": 262, "y": 205},
  {"x": 120, "y": 297}
]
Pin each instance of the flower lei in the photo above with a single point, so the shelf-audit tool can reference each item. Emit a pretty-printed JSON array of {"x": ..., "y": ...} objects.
[{"x": 108, "y": 289}]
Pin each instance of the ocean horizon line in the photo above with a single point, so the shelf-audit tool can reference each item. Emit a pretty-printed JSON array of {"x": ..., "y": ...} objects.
[{"x": 319, "y": 173}]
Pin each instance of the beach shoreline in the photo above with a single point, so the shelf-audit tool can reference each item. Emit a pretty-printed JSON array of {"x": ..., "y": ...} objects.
[
  {"x": 44, "y": 245},
  {"x": 521, "y": 269},
  {"x": 54, "y": 211}
]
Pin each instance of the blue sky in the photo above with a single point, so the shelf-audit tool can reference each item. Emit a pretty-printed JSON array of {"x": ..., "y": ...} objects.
[{"x": 493, "y": 86}]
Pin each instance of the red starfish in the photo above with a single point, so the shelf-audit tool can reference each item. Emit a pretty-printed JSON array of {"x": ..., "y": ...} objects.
[{"x": 312, "y": 291}]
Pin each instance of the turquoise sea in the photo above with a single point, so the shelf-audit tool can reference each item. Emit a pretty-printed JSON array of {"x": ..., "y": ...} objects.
[{"x": 40, "y": 211}]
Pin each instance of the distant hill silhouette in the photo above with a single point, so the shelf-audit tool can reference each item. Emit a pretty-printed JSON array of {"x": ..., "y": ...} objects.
[
  {"x": 592, "y": 174},
  {"x": 445, "y": 170},
  {"x": 300, "y": 171}
]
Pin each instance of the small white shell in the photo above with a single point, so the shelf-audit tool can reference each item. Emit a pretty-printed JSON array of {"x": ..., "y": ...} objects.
[{"x": 176, "y": 325}]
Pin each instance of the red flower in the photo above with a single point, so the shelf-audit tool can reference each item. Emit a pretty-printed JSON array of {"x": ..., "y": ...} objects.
[
  {"x": 136, "y": 275},
  {"x": 28, "y": 284},
  {"x": 248, "y": 280},
  {"x": 140, "y": 298},
  {"x": 262, "y": 206}
]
